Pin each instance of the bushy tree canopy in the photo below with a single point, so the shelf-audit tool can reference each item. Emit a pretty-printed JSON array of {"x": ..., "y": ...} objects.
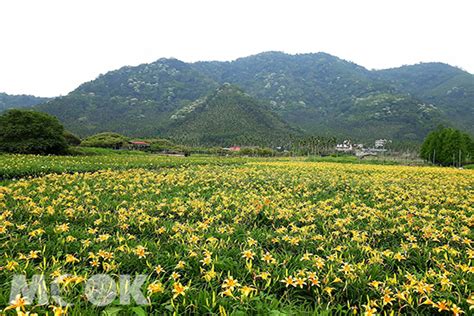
[
  {"x": 71, "y": 139},
  {"x": 105, "y": 140},
  {"x": 30, "y": 132},
  {"x": 447, "y": 146}
]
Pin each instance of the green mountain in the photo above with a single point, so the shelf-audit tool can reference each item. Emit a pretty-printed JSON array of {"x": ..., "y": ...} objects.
[
  {"x": 227, "y": 117},
  {"x": 136, "y": 101},
  {"x": 18, "y": 101},
  {"x": 316, "y": 93},
  {"x": 326, "y": 95},
  {"x": 449, "y": 88}
]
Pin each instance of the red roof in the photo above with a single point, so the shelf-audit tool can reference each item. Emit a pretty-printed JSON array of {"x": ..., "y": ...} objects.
[
  {"x": 139, "y": 143},
  {"x": 234, "y": 148}
]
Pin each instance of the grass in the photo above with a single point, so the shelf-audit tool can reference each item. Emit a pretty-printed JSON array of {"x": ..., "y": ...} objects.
[{"x": 95, "y": 151}]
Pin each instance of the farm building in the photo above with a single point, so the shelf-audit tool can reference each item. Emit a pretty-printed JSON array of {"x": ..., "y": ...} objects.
[{"x": 138, "y": 145}]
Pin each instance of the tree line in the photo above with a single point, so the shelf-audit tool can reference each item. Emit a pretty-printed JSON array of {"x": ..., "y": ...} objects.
[
  {"x": 448, "y": 147},
  {"x": 31, "y": 132}
]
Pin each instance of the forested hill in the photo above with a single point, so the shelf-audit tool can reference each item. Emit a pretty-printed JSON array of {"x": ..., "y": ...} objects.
[
  {"x": 135, "y": 101},
  {"x": 316, "y": 93},
  {"x": 323, "y": 94},
  {"x": 227, "y": 117},
  {"x": 8, "y": 101},
  {"x": 450, "y": 88}
]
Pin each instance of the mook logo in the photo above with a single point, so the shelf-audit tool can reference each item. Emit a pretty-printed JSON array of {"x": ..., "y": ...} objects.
[{"x": 99, "y": 290}]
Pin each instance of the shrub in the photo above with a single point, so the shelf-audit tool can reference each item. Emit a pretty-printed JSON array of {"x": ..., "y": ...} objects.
[
  {"x": 105, "y": 140},
  {"x": 71, "y": 139},
  {"x": 31, "y": 132}
]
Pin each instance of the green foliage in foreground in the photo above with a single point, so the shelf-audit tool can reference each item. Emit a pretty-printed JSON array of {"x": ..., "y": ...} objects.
[
  {"x": 19, "y": 166},
  {"x": 448, "y": 146},
  {"x": 30, "y": 132},
  {"x": 375, "y": 239}
]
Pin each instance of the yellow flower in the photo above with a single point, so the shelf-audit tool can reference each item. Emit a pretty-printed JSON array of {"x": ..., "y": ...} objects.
[
  {"x": 441, "y": 306},
  {"x": 175, "y": 275},
  {"x": 264, "y": 275},
  {"x": 251, "y": 242},
  {"x": 456, "y": 310},
  {"x": 179, "y": 289},
  {"x": 375, "y": 284},
  {"x": 230, "y": 283},
  {"x": 370, "y": 311},
  {"x": 246, "y": 290},
  {"x": 206, "y": 260},
  {"x": 248, "y": 254},
  {"x": 300, "y": 282},
  {"x": 155, "y": 287},
  {"x": 399, "y": 257},
  {"x": 159, "y": 269},
  {"x": 387, "y": 299},
  {"x": 313, "y": 279},
  {"x": 319, "y": 262},
  {"x": 11, "y": 265},
  {"x": 306, "y": 256},
  {"x": 58, "y": 310},
  {"x": 62, "y": 228},
  {"x": 328, "y": 290},
  {"x": 18, "y": 304},
  {"x": 141, "y": 252},
  {"x": 71, "y": 259},
  {"x": 346, "y": 268},
  {"x": 289, "y": 281},
  {"x": 268, "y": 258},
  {"x": 227, "y": 292},
  {"x": 209, "y": 275},
  {"x": 103, "y": 237}
]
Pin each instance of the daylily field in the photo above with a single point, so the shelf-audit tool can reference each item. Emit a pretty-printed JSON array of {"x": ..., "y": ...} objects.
[{"x": 244, "y": 237}]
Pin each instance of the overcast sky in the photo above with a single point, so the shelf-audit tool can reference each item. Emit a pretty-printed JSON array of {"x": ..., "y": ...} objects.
[{"x": 49, "y": 47}]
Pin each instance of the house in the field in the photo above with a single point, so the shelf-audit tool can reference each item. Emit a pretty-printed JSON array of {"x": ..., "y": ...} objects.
[
  {"x": 138, "y": 145},
  {"x": 346, "y": 147},
  {"x": 233, "y": 148}
]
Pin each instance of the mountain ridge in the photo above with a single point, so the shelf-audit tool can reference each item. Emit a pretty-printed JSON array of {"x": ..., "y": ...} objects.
[
  {"x": 315, "y": 92},
  {"x": 8, "y": 101}
]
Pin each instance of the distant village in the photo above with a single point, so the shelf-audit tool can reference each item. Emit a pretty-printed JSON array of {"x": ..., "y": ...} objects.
[
  {"x": 360, "y": 150},
  {"x": 346, "y": 147}
]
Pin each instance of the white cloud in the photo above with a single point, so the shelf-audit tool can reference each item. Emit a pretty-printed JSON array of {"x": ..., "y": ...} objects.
[{"x": 49, "y": 47}]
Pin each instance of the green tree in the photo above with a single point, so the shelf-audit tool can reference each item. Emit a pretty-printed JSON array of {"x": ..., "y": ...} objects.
[
  {"x": 447, "y": 146},
  {"x": 31, "y": 132},
  {"x": 105, "y": 140},
  {"x": 71, "y": 139}
]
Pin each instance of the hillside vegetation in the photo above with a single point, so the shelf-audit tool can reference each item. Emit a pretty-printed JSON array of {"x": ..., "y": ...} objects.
[
  {"x": 315, "y": 93},
  {"x": 8, "y": 101}
]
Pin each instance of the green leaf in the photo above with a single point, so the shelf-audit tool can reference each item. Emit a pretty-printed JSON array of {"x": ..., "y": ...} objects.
[
  {"x": 111, "y": 311},
  {"x": 139, "y": 311}
]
